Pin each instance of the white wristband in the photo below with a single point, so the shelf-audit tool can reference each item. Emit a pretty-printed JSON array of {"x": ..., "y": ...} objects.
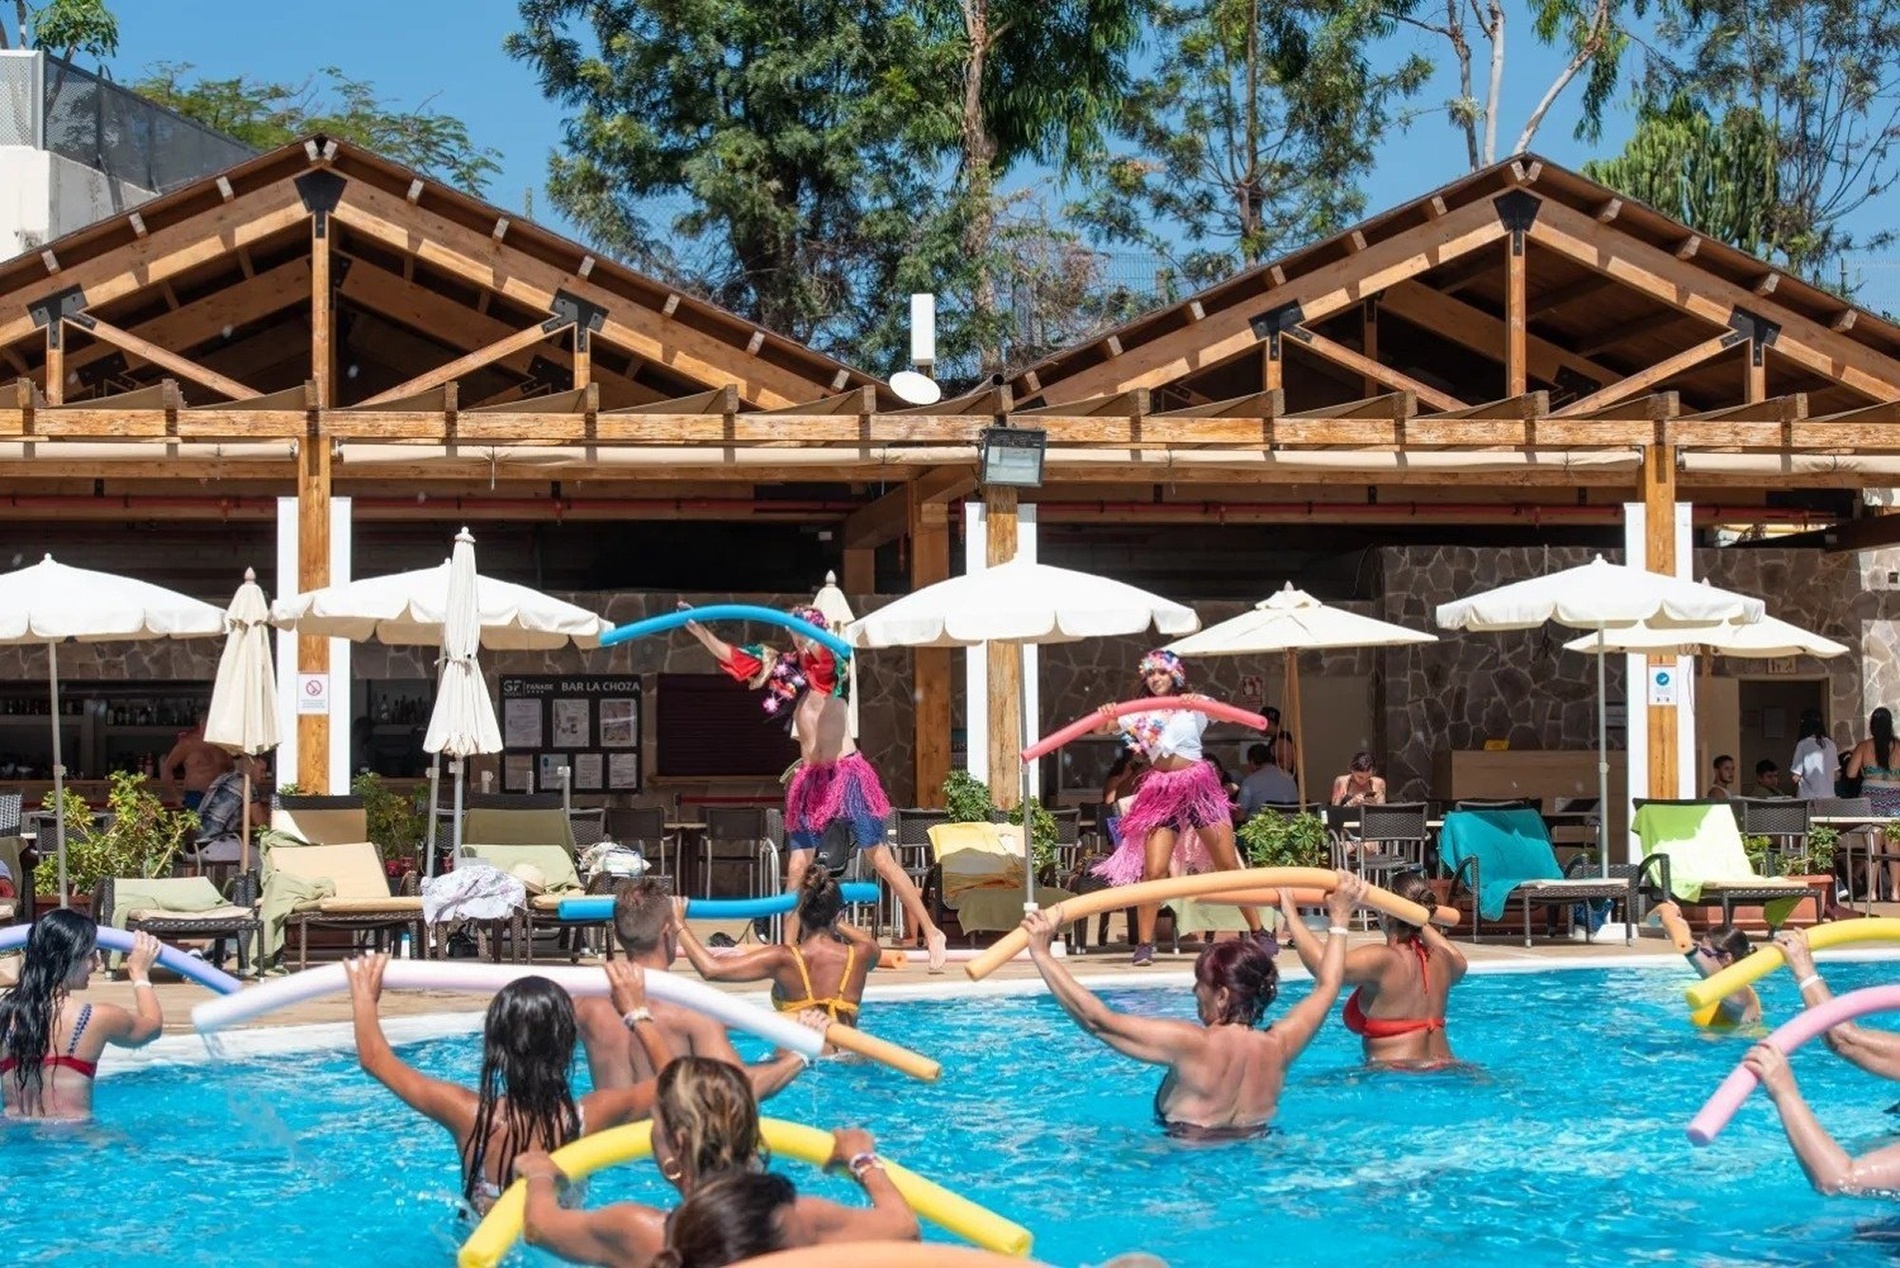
[
  {"x": 1341, "y": 930},
  {"x": 634, "y": 1016},
  {"x": 141, "y": 981},
  {"x": 1810, "y": 980}
]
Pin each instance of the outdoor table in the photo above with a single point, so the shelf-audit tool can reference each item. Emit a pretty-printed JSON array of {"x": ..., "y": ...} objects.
[{"x": 1852, "y": 828}]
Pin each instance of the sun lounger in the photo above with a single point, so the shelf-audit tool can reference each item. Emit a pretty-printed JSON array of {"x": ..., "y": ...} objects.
[
  {"x": 183, "y": 907},
  {"x": 1707, "y": 861},
  {"x": 1503, "y": 855},
  {"x": 983, "y": 875},
  {"x": 359, "y": 897},
  {"x": 557, "y": 879},
  {"x": 319, "y": 820}
]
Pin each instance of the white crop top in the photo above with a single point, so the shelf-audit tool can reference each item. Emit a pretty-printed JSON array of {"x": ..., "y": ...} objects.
[{"x": 1174, "y": 733}]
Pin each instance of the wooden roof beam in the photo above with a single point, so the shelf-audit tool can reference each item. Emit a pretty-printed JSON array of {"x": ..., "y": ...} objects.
[
  {"x": 1661, "y": 372},
  {"x": 183, "y": 367},
  {"x": 1592, "y": 345},
  {"x": 1655, "y": 407},
  {"x": 469, "y": 363},
  {"x": 218, "y": 313},
  {"x": 1393, "y": 405},
  {"x": 1473, "y": 328},
  {"x": 888, "y": 518},
  {"x": 1339, "y": 354}
]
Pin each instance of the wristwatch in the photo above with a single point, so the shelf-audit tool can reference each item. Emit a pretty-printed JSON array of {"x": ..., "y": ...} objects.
[
  {"x": 861, "y": 1163},
  {"x": 634, "y": 1016}
]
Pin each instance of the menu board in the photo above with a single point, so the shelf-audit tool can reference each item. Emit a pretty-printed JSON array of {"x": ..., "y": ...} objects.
[{"x": 591, "y": 725}]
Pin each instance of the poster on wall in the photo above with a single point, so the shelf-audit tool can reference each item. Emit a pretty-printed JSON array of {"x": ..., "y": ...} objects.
[{"x": 588, "y": 723}]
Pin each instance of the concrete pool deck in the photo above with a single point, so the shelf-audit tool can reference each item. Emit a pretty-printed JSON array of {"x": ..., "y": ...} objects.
[{"x": 1104, "y": 969}]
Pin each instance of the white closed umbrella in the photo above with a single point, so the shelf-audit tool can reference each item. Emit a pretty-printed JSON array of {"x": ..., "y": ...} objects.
[
  {"x": 1293, "y": 621},
  {"x": 837, "y": 609},
  {"x": 1600, "y": 596},
  {"x": 463, "y": 721},
  {"x": 243, "y": 713},
  {"x": 50, "y": 603},
  {"x": 410, "y": 608},
  {"x": 1020, "y": 602}
]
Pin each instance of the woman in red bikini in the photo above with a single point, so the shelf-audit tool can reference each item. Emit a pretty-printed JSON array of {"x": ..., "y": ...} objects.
[
  {"x": 52, "y": 1042},
  {"x": 1398, "y": 1005}
]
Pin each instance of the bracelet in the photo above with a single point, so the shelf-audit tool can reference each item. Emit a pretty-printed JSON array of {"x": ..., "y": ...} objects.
[
  {"x": 142, "y": 981},
  {"x": 634, "y": 1016},
  {"x": 1341, "y": 930},
  {"x": 861, "y": 1163},
  {"x": 1807, "y": 981},
  {"x": 532, "y": 1176}
]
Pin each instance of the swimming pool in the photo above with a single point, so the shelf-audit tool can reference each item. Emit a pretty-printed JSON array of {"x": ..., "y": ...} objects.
[{"x": 1566, "y": 1148}]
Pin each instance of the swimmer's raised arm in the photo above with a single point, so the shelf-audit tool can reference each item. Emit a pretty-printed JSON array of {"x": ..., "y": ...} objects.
[
  {"x": 890, "y": 1217},
  {"x": 1830, "y": 1168},
  {"x": 1875, "y": 1051},
  {"x": 1150, "y": 1039},
  {"x": 1303, "y": 1020},
  {"x": 445, "y": 1103},
  {"x": 621, "y": 1233},
  {"x": 747, "y": 966}
]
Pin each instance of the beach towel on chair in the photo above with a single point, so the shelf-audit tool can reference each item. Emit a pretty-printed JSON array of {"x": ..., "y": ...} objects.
[
  {"x": 1511, "y": 845},
  {"x": 473, "y": 891},
  {"x": 284, "y": 892},
  {"x": 1704, "y": 845}
]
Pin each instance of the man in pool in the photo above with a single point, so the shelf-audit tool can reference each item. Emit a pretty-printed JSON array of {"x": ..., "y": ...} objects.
[
  {"x": 643, "y": 919},
  {"x": 833, "y": 785},
  {"x": 1224, "y": 1077}
]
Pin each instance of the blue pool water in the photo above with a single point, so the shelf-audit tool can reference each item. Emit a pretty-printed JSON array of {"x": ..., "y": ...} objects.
[{"x": 1566, "y": 1147}]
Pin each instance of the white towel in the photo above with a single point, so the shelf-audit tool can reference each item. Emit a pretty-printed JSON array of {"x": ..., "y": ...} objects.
[{"x": 473, "y": 891}]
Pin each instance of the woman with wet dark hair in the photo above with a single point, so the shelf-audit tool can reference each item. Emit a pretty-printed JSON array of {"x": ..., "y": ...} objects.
[
  {"x": 50, "y": 1043},
  {"x": 1874, "y": 763},
  {"x": 1397, "y": 1007},
  {"x": 1224, "y": 1077},
  {"x": 525, "y": 1099}
]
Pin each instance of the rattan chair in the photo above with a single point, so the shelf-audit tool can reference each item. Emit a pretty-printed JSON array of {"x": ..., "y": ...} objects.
[
  {"x": 238, "y": 921},
  {"x": 587, "y": 825},
  {"x": 741, "y": 834},
  {"x": 643, "y": 828},
  {"x": 1784, "y": 822}
]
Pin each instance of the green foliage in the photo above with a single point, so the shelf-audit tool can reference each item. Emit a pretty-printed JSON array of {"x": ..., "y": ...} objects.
[
  {"x": 1042, "y": 833},
  {"x": 1275, "y": 840},
  {"x": 142, "y": 839},
  {"x": 67, "y": 28},
  {"x": 967, "y": 798},
  {"x": 266, "y": 114},
  {"x": 1816, "y": 860},
  {"x": 396, "y": 824},
  {"x": 1249, "y": 133},
  {"x": 1824, "y": 77},
  {"x": 1719, "y": 178}
]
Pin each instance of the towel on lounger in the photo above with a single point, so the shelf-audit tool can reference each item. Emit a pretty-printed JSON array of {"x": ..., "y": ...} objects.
[{"x": 1511, "y": 845}]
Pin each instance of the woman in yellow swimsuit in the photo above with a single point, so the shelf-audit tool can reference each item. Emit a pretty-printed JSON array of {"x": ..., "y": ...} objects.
[
  {"x": 826, "y": 969},
  {"x": 1722, "y": 946}
]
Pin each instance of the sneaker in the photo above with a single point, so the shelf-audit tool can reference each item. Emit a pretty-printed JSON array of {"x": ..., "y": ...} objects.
[
  {"x": 1144, "y": 954},
  {"x": 1268, "y": 939},
  {"x": 721, "y": 939}
]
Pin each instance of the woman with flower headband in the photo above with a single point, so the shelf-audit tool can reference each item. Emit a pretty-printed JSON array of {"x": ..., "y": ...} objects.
[
  {"x": 1180, "y": 814},
  {"x": 833, "y": 783}
]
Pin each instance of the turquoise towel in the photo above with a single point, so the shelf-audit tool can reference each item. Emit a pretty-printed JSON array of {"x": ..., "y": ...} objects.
[{"x": 1512, "y": 846}]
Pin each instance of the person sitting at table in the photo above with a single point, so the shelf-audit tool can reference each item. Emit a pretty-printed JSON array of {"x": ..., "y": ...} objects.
[
  {"x": 1266, "y": 784},
  {"x": 1768, "y": 780},
  {"x": 221, "y": 816},
  {"x": 1724, "y": 786},
  {"x": 826, "y": 969},
  {"x": 1359, "y": 786},
  {"x": 1722, "y": 946},
  {"x": 198, "y": 760}
]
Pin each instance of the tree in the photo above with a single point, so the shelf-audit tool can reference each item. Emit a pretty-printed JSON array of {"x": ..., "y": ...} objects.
[
  {"x": 1592, "y": 31},
  {"x": 64, "y": 27},
  {"x": 1719, "y": 178},
  {"x": 265, "y": 114},
  {"x": 1250, "y": 133},
  {"x": 762, "y": 152},
  {"x": 1824, "y": 75}
]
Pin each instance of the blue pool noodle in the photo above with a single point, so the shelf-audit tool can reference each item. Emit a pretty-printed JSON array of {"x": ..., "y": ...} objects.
[
  {"x": 725, "y": 612},
  {"x": 13, "y": 937},
  {"x": 601, "y": 907}
]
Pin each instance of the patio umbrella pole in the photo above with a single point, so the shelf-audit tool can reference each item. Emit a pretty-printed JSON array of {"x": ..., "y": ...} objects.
[
  {"x": 1603, "y": 758},
  {"x": 435, "y": 793},
  {"x": 59, "y": 777},
  {"x": 1022, "y": 733},
  {"x": 456, "y": 833},
  {"x": 244, "y": 840}
]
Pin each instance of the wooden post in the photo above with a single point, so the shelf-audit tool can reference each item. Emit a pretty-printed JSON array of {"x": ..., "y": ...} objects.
[
  {"x": 1659, "y": 549},
  {"x": 1755, "y": 371},
  {"x": 313, "y": 513},
  {"x": 860, "y": 570},
  {"x": 1271, "y": 366},
  {"x": 930, "y": 666},
  {"x": 55, "y": 362},
  {"x": 584, "y": 374},
  {"x": 1515, "y": 325},
  {"x": 1005, "y": 663},
  {"x": 1369, "y": 342}
]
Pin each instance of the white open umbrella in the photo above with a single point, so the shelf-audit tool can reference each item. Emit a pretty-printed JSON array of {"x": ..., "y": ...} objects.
[
  {"x": 1020, "y": 602},
  {"x": 1600, "y": 596},
  {"x": 243, "y": 713},
  {"x": 463, "y": 721},
  {"x": 50, "y": 603},
  {"x": 1293, "y": 621},
  {"x": 409, "y": 609},
  {"x": 1761, "y": 640}
]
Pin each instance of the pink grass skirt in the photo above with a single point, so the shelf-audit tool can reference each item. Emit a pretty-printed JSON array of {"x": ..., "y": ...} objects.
[
  {"x": 1183, "y": 800},
  {"x": 821, "y": 794}
]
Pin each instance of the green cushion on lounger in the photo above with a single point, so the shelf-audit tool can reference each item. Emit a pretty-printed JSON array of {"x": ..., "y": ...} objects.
[
  {"x": 557, "y": 865},
  {"x": 184, "y": 895}
]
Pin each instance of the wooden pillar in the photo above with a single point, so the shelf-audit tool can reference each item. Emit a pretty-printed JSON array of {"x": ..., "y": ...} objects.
[
  {"x": 1659, "y": 551},
  {"x": 584, "y": 373},
  {"x": 1754, "y": 371},
  {"x": 1516, "y": 376},
  {"x": 1005, "y": 663},
  {"x": 1369, "y": 343},
  {"x": 313, "y": 513},
  {"x": 55, "y": 361},
  {"x": 930, "y": 666},
  {"x": 860, "y": 570},
  {"x": 1271, "y": 367}
]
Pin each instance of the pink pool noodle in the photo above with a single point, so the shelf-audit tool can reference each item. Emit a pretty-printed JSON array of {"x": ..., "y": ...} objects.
[
  {"x": 1719, "y": 1108},
  {"x": 1083, "y": 725}
]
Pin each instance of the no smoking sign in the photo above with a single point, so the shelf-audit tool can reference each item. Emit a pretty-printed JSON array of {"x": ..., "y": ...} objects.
[{"x": 313, "y": 693}]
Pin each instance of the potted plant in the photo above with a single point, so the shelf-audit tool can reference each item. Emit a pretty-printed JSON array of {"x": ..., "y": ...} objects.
[
  {"x": 1276, "y": 840},
  {"x": 1813, "y": 866},
  {"x": 967, "y": 800},
  {"x": 395, "y": 826},
  {"x": 140, "y": 839}
]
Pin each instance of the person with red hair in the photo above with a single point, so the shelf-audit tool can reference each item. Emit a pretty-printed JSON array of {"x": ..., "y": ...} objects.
[{"x": 834, "y": 790}]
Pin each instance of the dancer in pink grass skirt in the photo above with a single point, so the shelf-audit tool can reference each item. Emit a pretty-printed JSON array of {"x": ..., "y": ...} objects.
[
  {"x": 833, "y": 782},
  {"x": 1180, "y": 813}
]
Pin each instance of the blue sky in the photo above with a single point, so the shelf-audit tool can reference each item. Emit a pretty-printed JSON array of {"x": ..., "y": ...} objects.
[{"x": 450, "y": 51}]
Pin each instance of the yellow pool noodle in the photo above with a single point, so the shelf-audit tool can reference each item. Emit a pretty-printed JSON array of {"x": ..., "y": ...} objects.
[
  {"x": 1769, "y": 958},
  {"x": 501, "y": 1227}
]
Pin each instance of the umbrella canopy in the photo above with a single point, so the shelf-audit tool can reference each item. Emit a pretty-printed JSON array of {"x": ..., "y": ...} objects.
[
  {"x": 411, "y": 608},
  {"x": 1019, "y": 602},
  {"x": 243, "y": 713},
  {"x": 1292, "y": 621},
  {"x": 49, "y": 603},
  {"x": 1759, "y": 640},
  {"x": 463, "y": 721},
  {"x": 1599, "y": 595}
]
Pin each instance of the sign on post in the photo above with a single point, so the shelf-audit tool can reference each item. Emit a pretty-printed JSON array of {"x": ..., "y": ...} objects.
[
  {"x": 1662, "y": 687},
  {"x": 313, "y": 693}
]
